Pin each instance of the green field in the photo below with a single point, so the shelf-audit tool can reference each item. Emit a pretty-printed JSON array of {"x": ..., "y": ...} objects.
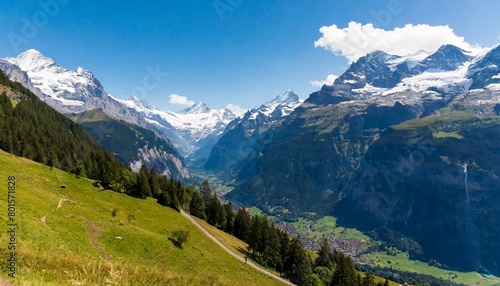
[
  {"x": 328, "y": 225},
  {"x": 402, "y": 262},
  {"x": 69, "y": 236}
]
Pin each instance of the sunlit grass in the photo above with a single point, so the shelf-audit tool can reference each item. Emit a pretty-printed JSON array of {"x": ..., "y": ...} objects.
[
  {"x": 82, "y": 243},
  {"x": 442, "y": 134}
]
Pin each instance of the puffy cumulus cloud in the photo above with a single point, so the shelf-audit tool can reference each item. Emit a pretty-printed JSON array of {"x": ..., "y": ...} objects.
[
  {"x": 357, "y": 40},
  {"x": 328, "y": 81},
  {"x": 235, "y": 109},
  {"x": 181, "y": 100}
]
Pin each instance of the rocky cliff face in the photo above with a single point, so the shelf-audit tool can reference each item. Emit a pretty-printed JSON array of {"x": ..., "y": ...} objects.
[
  {"x": 133, "y": 144},
  {"x": 306, "y": 170}
]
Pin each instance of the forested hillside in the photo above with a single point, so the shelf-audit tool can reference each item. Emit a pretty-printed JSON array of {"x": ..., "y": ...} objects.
[{"x": 32, "y": 129}]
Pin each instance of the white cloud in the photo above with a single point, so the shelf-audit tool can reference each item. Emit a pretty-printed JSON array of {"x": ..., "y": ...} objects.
[
  {"x": 235, "y": 109},
  {"x": 328, "y": 81},
  {"x": 357, "y": 40},
  {"x": 181, "y": 100}
]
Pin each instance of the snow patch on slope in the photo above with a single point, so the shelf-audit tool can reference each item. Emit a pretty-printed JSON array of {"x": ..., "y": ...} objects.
[{"x": 446, "y": 81}]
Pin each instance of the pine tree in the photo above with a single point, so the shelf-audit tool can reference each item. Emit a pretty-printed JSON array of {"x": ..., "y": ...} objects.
[
  {"x": 129, "y": 180},
  {"x": 180, "y": 193},
  {"x": 197, "y": 206},
  {"x": 80, "y": 170},
  {"x": 325, "y": 258},
  {"x": 221, "y": 215},
  {"x": 254, "y": 234},
  {"x": 299, "y": 265},
  {"x": 164, "y": 199},
  {"x": 5, "y": 106},
  {"x": 344, "y": 274},
  {"x": 284, "y": 250},
  {"x": 368, "y": 280},
  {"x": 142, "y": 189},
  {"x": 263, "y": 243},
  {"x": 228, "y": 207},
  {"x": 241, "y": 224},
  {"x": 272, "y": 255},
  {"x": 109, "y": 170},
  {"x": 216, "y": 214},
  {"x": 325, "y": 274},
  {"x": 154, "y": 183},
  {"x": 206, "y": 194},
  {"x": 188, "y": 195},
  {"x": 174, "y": 202}
]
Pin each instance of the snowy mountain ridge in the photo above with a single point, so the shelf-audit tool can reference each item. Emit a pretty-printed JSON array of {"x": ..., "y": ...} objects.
[
  {"x": 280, "y": 106},
  {"x": 76, "y": 91},
  {"x": 418, "y": 80},
  {"x": 60, "y": 84},
  {"x": 243, "y": 134}
]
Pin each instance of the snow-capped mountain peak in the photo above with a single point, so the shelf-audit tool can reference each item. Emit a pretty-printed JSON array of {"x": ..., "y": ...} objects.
[
  {"x": 77, "y": 91},
  {"x": 447, "y": 57},
  {"x": 485, "y": 69},
  {"x": 280, "y": 106},
  {"x": 286, "y": 98},
  {"x": 196, "y": 108},
  {"x": 66, "y": 90},
  {"x": 423, "y": 81},
  {"x": 253, "y": 123},
  {"x": 31, "y": 60}
]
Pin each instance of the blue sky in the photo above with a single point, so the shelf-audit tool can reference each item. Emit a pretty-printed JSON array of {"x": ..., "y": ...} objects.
[{"x": 225, "y": 51}]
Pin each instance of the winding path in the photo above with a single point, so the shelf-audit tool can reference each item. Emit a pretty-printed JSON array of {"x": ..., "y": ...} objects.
[{"x": 234, "y": 254}]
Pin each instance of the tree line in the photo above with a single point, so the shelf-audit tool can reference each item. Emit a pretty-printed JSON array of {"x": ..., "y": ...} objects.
[{"x": 273, "y": 248}]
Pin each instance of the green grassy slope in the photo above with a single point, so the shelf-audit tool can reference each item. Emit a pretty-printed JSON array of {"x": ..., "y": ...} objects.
[{"x": 77, "y": 244}]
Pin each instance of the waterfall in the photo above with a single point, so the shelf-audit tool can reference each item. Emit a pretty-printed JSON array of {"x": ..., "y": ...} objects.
[
  {"x": 470, "y": 228},
  {"x": 466, "y": 187}
]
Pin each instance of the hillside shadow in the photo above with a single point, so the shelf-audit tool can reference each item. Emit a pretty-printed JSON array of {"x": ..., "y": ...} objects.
[
  {"x": 243, "y": 251},
  {"x": 175, "y": 242}
]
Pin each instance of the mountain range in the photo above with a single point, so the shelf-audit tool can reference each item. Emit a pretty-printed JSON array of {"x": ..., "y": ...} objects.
[
  {"x": 189, "y": 134},
  {"x": 183, "y": 133},
  {"x": 386, "y": 145}
]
